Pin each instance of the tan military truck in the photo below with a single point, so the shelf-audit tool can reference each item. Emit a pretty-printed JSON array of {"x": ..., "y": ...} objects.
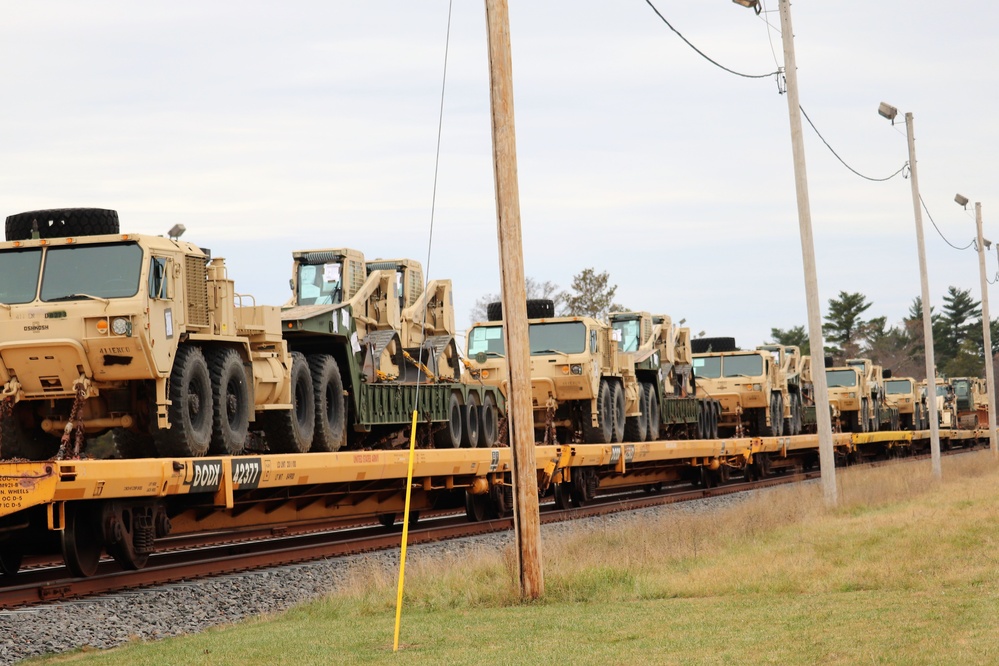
[
  {"x": 142, "y": 334},
  {"x": 903, "y": 394},
  {"x": 787, "y": 359},
  {"x": 597, "y": 382},
  {"x": 847, "y": 397},
  {"x": 747, "y": 384}
]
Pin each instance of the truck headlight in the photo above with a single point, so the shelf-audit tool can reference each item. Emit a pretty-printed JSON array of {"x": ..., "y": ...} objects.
[
  {"x": 121, "y": 326},
  {"x": 852, "y": 394},
  {"x": 576, "y": 369}
]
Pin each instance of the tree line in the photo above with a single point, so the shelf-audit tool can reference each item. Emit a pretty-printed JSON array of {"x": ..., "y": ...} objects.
[{"x": 958, "y": 348}]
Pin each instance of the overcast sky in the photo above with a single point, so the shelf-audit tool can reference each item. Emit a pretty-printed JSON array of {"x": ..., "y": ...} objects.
[{"x": 265, "y": 127}]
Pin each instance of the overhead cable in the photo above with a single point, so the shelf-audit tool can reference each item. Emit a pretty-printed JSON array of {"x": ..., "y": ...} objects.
[
  {"x": 842, "y": 161},
  {"x": 938, "y": 228},
  {"x": 704, "y": 55}
]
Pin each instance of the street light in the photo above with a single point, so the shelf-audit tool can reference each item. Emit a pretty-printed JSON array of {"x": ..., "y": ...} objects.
[
  {"x": 990, "y": 379},
  {"x": 827, "y": 460},
  {"x": 888, "y": 111}
]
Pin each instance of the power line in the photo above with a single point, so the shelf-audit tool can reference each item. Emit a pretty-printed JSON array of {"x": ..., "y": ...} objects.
[
  {"x": 878, "y": 180},
  {"x": 938, "y": 228},
  {"x": 704, "y": 55}
]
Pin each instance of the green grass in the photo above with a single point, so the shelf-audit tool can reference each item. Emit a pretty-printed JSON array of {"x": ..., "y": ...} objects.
[{"x": 905, "y": 571}]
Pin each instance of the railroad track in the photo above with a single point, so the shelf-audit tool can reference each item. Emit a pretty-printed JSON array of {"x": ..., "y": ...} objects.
[{"x": 187, "y": 558}]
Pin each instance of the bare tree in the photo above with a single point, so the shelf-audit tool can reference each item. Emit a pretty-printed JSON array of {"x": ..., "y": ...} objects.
[{"x": 534, "y": 288}]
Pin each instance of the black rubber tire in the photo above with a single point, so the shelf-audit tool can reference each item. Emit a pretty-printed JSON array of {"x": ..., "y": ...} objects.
[
  {"x": 494, "y": 311},
  {"x": 705, "y": 345},
  {"x": 488, "y": 421},
  {"x": 603, "y": 433},
  {"x": 715, "y": 411},
  {"x": 191, "y": 409},
  {"x": 330, "y": 412},
  {"x": 17, "y": 442},
  {"x": 231, "y": 400},
  {"x": 654, "y": 422},
  {"x": 62, "y": 222},
  {"x": 291, "y": 430},
  {"x": 449, "y": 437},
  {"x": 540, "y": 308},
  {"x": 777, "y": 415},
  {"x": 619, "y": 413},
  {"x": 470, "y": 425},
  {"x": 132, "y": 445},
  {"x": 636, "y": 428},
  {"x": 864, "y": 416}
]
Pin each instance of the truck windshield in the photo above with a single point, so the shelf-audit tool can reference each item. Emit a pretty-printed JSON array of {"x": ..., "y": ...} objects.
[
  {"x": 942, "y": 389},
  {"x": 708, "y": 367},
  {"x": 568, "y": 337},
  {"x": 750, "y": 365},
  {"x": 320, "y": 284},
  {"x": 628, "y": 334},
  {"x": 19, "y": 275},
  {"x": 835, "y": 378},
  {"x": 894, "y": 386},
  {"x": 962, "y": 388},
  {"x": 485, "y": 340},
  {"x": 73, "y": 272}
]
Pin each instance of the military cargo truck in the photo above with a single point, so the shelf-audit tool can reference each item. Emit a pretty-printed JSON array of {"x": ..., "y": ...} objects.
[
  {"x": 881, "y": 415},
  {"x": 903, "y": 394},
  {"x": 597, "y": 382},
  {"x": 379, "y": 344},
  {"x": 145, "y": 335},
  {"x": 748, "y": 385}
]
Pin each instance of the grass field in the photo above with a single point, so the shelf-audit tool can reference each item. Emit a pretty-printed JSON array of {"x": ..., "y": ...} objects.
[{"x": 905, "y": 571}]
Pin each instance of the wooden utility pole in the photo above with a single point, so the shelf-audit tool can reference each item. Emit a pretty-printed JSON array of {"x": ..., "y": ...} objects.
[
  {"x": 990, "y": 377},
  {"x": 526, "y": 519},
  {"x": 827, "y": 461}
]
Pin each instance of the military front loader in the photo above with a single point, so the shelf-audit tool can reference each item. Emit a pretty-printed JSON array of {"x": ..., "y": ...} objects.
[{"x": 379, "y": 345}]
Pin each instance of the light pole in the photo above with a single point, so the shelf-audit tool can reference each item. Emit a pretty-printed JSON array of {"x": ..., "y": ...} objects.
[
  {"x": 888, "y": 111},
  {"x": 990, "y": 378},
  {"x": 827, "y": 460}
]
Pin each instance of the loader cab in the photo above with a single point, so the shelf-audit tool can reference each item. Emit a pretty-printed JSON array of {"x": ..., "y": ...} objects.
[
  {"x": 408, "y": 278},
  {"x": 326, "y": 277}
]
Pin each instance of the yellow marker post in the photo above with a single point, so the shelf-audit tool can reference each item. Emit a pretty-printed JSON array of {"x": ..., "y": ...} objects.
[{"x": 405, "y": 535}]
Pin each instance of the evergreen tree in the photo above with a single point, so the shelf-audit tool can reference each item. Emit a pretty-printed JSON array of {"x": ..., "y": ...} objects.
[
  {"x": 590, "y": 295},
  {"x": 796, "y": 336},
  {"x": 844, "y": 328}
]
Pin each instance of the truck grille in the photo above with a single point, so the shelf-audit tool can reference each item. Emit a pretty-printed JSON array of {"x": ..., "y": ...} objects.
[{"x": 197, "y": 291}]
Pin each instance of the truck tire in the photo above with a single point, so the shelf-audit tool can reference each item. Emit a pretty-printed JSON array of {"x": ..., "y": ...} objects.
[
  {"x": 636, "y": 428},
  {"x": 776, "y": 415},
  {"x": 231, "y": 400},
  {"x": 619, "y": 406},
  {"x": 330, "y": 409},
  {"x": 488, "y": 421},
  {"x": 470, "y": 425},
  {"x": 62, "y": 222},
  {"x": 540, "y": 308},
  {"x": 705, "y": 345},
  {"x": 291, "y": 430},
  {"x": 864, "y": 417},
  {"x": 190, "y": 411},
  {"x": 18, "y": 442},
  {"x": 449, "y": 437},
  {"x": 494, "y": 311},
  {"x": 651, "y": 404},
  {"x": 715, "y": 411},
  {"x": 603, "y": 433}
]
